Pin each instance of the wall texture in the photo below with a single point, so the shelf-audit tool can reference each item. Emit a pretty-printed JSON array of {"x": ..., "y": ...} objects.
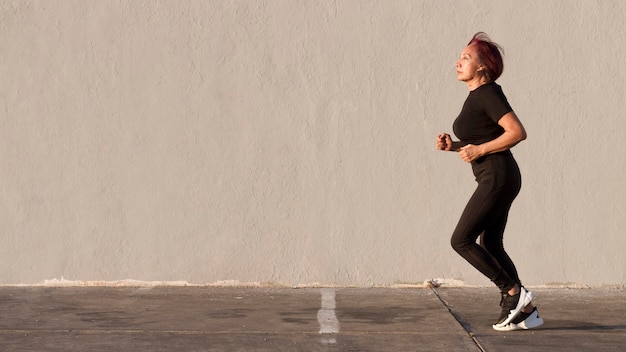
[{"x": 292, "y": 142}]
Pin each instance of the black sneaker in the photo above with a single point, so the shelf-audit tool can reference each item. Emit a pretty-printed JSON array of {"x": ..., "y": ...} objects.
[
  {"x": 524, "y": 321},
  {"x": 508, "y": 303},
  {"x": 522, "y": 316},
  {"x": 512, "y": 306}
]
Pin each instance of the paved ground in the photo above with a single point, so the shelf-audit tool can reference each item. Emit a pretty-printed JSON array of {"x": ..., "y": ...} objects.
[{"x": 262, "y": 319}]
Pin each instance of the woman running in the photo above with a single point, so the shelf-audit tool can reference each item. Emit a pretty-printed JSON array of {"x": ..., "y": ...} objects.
[{"x": 488, "y": 128}]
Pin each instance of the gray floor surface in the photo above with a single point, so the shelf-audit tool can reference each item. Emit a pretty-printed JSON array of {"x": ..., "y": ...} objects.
[{"x": 312, "y": 319}]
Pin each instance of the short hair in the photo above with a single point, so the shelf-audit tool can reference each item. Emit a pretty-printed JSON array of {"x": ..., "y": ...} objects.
[{"x": 489, "y": 54}]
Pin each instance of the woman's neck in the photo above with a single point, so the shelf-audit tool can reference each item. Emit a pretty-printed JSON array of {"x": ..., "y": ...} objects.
[{"x": 475, "y": 83}]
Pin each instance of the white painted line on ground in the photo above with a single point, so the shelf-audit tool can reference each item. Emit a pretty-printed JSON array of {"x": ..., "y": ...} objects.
[{"x": 329, "y": 324}]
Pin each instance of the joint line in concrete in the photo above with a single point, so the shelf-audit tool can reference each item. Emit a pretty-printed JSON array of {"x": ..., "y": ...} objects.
[{"x": 459, "y": 320}]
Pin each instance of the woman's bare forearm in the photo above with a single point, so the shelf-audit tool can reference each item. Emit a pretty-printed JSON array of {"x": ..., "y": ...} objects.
[
  {"x": 505, "y": 141},
  {"x": 456, "y": 145}
]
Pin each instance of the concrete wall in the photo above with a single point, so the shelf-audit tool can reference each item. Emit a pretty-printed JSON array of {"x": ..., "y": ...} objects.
[{"x": 292, "y": 142}]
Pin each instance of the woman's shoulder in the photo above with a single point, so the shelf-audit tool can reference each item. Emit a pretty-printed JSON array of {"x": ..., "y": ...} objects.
[{"x": 489, "y": 89}]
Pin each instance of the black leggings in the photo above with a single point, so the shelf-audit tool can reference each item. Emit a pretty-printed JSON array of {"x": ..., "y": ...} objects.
[{"x": 485, "y": 215}]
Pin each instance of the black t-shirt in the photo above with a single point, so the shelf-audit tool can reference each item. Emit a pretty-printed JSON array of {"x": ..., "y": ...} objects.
[{"x": 478, "y": 121}]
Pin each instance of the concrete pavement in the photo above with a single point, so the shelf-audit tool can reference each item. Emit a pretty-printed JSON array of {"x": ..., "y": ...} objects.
[{"x": 312, "y": 319}]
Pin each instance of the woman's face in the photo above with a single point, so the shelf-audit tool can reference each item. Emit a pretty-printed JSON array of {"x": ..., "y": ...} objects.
[{"x": 468, "y": 65}]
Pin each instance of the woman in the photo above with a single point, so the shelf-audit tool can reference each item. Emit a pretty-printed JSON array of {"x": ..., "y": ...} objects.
[{"x": 488, "y": 128}]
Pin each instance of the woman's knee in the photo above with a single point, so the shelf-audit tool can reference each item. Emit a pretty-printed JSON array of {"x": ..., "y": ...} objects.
[{"x": 458, "y": 243}]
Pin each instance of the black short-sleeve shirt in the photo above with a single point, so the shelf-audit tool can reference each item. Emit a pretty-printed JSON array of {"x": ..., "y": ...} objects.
[{"x": 478, "y": 121}]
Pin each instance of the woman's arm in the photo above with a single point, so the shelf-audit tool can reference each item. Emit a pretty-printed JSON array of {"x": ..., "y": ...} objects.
[
  {"x": 514, "y": 133},
  {"x": 445, "y": 142}
]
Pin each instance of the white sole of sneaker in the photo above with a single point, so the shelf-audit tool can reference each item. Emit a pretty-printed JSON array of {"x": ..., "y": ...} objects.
[
  {"x": 525, "y": 298},
  {"x": 529, "y": 323},
  {"x": 533, "y": 321}
]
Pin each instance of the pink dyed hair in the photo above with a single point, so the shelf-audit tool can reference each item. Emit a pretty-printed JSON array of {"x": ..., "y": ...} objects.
[{"x": 489, "y": 54}]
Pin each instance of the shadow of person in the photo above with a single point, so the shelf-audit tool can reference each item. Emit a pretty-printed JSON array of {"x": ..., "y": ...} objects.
[{"x": 570, "y": 325}]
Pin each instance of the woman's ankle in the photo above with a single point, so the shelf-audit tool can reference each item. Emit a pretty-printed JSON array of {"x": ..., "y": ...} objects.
[
  {"x": 529, "y": 308},
  {"x": 513, "y": 291}
]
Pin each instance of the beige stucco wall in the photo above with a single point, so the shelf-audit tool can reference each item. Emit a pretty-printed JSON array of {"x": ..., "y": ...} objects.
[{"x": 292, "y": 142}]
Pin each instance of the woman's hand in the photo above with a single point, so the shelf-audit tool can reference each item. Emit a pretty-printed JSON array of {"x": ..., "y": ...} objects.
[
  {"x": 444, "y": 142},
  {"x": 470, "y": 152}
]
